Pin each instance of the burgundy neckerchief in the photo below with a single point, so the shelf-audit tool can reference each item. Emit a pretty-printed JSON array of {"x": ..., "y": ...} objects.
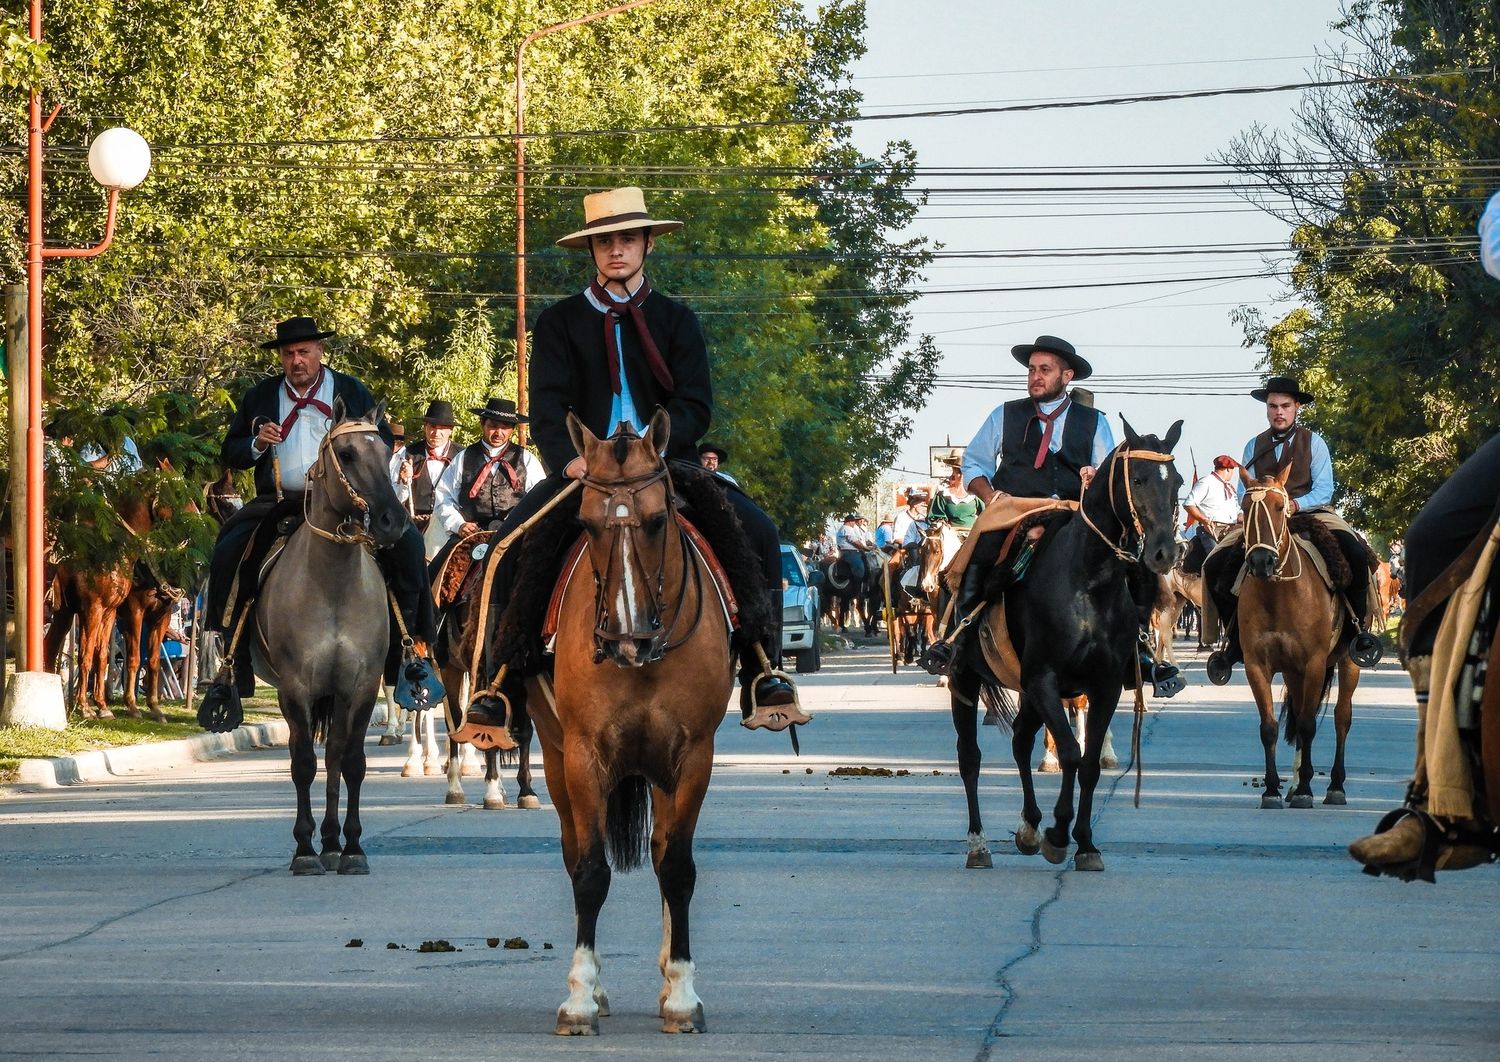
[
  {"x": 301, "y": 402},
  {"x": 489, "y": 467},
  {"x": 613, "y": 312},
  {"x": 1047, "y": 420},
  {"x": 444, "y": 461}
]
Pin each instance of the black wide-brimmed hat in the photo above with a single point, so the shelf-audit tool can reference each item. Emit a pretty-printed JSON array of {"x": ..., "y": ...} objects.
[
  {"x": 713, "y": 448},
  {"x": 1082, "y": 370},
  {"x": 295, "y": 330},
  {"x": 1282, "y": 385},
  {"x": 501, "y": 410},
  {"x": 439, "y": 413}
]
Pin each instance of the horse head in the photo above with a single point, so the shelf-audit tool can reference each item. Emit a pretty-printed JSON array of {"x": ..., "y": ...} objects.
[
  {"x": 1138, "y": 495},
  {"x": 930, "y": 558},
  {"x": 626, "y": 511},
  {"x": 222, "y": 497},
  {"x": 352, "y": 478},
  {"x": 1266, "y": 536}
]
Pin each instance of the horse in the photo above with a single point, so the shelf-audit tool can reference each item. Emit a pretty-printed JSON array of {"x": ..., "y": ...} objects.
[
  {"x": 643, "y": 670},
  {"x": 1290, "y": 622},
  {"x": 918, "y": 598},
  {"x": 1073, "y": 622},
  {"x": 847, "y": 594},
  {"x": 1175, "y": 591},
  {"x": 322, "y": 628}
]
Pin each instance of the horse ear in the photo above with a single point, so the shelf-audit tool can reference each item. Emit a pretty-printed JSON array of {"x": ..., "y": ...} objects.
[
  {"x": 340, "y": 411},
  {"x": 1284, "y": 475},
  {"x": 659, "y": 431},
  {"x": 1131, "y": 435},
  {"x": 579, "y": 433},
  {"x": 1173, "y": 434},
  {"x": 1245, "y": 476},
  {"x": 378, "y": 413}
]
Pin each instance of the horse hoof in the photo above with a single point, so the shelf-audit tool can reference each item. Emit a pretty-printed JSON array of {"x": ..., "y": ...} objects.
[
  {"x": 309, "y": 865},
  {"x": 685, "y": 1023},
  {"x": 133, "y": 713},
  {"x": 432, "y": 771},
  {"x": 1336, "y": 797},
  {"x": 1109, "y": 762},
  {"x": 158, "y": 716},
  {"x": 330, "y": 859},
  {"x": 1048, "y": 767},
  {"x": 1301, "y": 800},
  {"x": 577, "y": 1025},
  {"x": 105, "y": 713},
  {"x": 410, "y": 771},
  {"x": 980, "y": 860},
  {"x": 1027, "y": 842},
  {"x": 529, "y": 802},
  {"x": 453, "y": 798},
  {"x": 495, "y": 803},
  {"x": 389, "y": 739},
  {"x": 1271, "y": 802},
  {"x": 354, "y": 863},
  {"x": 1051, "y": 853},
  {"x": 1088, "y": 861}
]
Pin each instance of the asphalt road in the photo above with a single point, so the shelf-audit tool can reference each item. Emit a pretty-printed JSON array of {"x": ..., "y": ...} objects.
[{"x": 154, "y": 915}]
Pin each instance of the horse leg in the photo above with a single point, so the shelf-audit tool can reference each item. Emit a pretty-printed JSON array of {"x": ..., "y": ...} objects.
[
  {"x": 1049, "y": 764},
  {"x": 154, "y": 640},
  {"x": 412, "y": 768},
  {"x": 1043, "y": 695},
  {"x": 1306, "y": 714},
  {"x": 1259, "y": 678},
  {"x": 963, "y": 695},
  {"x": 354, "y": 860},
  {"x": 455, "y": 794},
  {"x": 1022, "y": 741},
  {"x": 494, "y": 791},
  {"x": 579, "y": 1013},
  {"x": 678, "y": 1004},
  {"x": 1101, "y": 710},
  {"x": 426, "y": 724},
  {"x": 131, "y": 616},
  {"x": 526, "y": 797},
  {"x": 304, "y": 770},
  {"x": 1343, "y": 716},
  {"x": 336, "y": 742}
]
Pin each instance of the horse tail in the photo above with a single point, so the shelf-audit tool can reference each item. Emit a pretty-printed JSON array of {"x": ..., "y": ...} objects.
[
  {"x": 998, "y": 701},
  {"x": 627, "y": 823},
  {"x": 1289, "y": 718},
  {"x": 320, "y": 714}
]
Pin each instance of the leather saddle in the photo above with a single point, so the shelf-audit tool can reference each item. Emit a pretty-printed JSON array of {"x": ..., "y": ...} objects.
[{"x": 461, "y": 570}]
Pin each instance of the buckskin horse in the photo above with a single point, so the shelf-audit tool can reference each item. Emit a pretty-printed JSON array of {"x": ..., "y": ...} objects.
[
  {"x": 1291, "y": 622},
  {"x": 1073, "y": 623},
  {"x": 642, "y": 675},
  {"x": 322, "y": 628}
]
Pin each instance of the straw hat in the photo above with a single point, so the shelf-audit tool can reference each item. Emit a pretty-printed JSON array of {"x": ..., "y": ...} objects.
[{"x": 615, "y": 211}]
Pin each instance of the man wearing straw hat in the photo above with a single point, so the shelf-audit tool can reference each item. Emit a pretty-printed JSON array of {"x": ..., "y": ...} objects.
[{"x": 612, "y": 354}]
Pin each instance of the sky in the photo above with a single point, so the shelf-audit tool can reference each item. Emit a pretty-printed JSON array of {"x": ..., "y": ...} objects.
[{"x": 965, "y": 53}]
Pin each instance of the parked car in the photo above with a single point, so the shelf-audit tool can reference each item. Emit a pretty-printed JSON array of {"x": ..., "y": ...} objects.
[{"x": 801, "y": 620}]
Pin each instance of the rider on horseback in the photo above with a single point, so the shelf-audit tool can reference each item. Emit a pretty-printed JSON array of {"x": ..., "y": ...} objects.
[
  {"x": 1214, "y": 506},
  {"x": 417, "y": 467},
  {"x": 278, "y": 430},
  {"x": 1310, "y": 486},
  {"x": 611, "y": 354}
]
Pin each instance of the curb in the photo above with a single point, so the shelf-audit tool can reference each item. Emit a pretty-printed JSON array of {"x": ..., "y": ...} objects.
[{"x": 98, "y": 765}]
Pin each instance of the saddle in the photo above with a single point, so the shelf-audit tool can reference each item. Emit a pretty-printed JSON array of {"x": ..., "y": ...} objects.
[
  {"x": 459, "y": 573},
  {"x": 261, "y": 554}
]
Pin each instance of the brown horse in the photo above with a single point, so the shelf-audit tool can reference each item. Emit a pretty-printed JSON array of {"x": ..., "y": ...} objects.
[
  {"x": 642, "y": 675},
  {"x": 1290, "y": 622}
]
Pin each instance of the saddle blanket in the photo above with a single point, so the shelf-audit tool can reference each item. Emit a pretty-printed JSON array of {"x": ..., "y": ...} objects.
[
  {"x": 452, "y": 579},
  {"x": 1000, "y": 516}
]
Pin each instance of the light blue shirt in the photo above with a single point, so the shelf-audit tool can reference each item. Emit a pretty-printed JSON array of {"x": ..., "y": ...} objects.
[
  {"x": 623, "y": 406},
  {"x": 1320, "y": 496},
  {"x": 127, "y": 460},
  {"x": 983, "y": 453}
]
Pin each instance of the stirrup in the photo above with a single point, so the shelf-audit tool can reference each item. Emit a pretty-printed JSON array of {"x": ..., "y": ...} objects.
[
  {"x": 221, "y": 709},
  {"x": 1167, "y": 680},
  {"x": 937, "y": 658},
  {"x": 773, "y": 716},
  {"x": 1219, "y": 667},
  {"x": 418, "y": 687},
  {"x": 486, "y": 735},
  {"x": 1366, "y": 649}
]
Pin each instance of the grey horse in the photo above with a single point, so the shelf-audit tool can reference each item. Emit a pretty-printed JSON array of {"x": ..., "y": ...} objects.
[{"x": 322, "y": 628}]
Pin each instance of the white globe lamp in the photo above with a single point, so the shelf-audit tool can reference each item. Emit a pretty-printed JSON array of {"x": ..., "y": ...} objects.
[{"x": 119, "y": 158}]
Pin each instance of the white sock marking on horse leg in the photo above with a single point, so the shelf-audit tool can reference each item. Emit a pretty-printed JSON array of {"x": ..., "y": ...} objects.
[
  {"x": 430, "y": 754},
  {"x": 579, "y": 1009},
  {"x": 682, "y": 1010},
  {"x": 978, "y": 845},
  {"x": 1107, "y": 757},
  {"x": 1026, "y": 834},
  {"x": 412, "y": 768},
  {"x": 455, "y": 782},
  {"x": 666, "y": 939}
]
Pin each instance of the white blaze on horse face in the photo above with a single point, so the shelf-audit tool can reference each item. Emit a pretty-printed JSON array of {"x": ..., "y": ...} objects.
[{"x": 1161, "y": 470}]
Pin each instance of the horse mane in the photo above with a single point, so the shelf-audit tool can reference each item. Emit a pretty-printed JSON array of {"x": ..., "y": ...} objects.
[{"x": 1310, "y": 526}]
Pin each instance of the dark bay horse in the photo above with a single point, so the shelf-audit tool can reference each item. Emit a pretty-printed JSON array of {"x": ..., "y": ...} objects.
[
  {"x": 1073, "y": 622},
  {"x": 845, "y": 595},
  {"x": 1290, "y": 622},
  {"x": 642, "y": 676},
  {"x": 322, "y": 628}
]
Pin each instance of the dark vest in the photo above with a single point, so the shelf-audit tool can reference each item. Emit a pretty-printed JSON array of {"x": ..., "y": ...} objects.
[
  {"x": 422, "y": 486},
  {"x": 497, "y": 497},
  {"x": 1297, "y": 452},
  {"x": 1021, "y": 436}
]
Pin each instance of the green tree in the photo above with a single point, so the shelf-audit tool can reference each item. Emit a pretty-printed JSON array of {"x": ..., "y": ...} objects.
[{"x": 1399, "y": 331}]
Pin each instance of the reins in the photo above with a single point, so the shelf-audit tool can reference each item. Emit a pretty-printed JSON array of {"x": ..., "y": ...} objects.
[
  {"x": 1135, "y": 519},
  {"x": 349, "y": 531},
  {"x": 1258, "y": 514}
]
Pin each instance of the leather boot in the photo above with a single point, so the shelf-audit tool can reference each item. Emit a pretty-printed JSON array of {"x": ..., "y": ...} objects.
[{"x": 768, "y": 701}]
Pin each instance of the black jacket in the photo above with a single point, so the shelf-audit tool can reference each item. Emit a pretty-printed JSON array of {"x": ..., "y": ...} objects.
[
  {"x": 569, "y": 371},
  {"x": 263, "y": 402}
]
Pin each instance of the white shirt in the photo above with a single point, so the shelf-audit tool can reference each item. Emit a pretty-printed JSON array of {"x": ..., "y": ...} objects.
[
  {"x": 907, "y": 529},
  {"x": 445, "y": 500},
  {"x": 852, "y": 536},
  {"x": 299, "y": 449},
  {"x": 435, "y": 469},
  {"x": 982, "y": 455},
  {"x": 1219, "y": 500}
]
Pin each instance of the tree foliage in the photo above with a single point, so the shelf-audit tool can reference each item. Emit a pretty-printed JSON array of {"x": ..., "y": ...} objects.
[
  {"x": 351, "y": 160},
  {"x": 1399, "y": 331}
]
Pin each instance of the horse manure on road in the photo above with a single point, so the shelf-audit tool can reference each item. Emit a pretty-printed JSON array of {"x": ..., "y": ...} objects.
[
  {"x": 355, "y": 942},
  {"x": 436, "y": 945},
  {"x": 517, "y": 944},
  {"x": 869, "y": 772}
]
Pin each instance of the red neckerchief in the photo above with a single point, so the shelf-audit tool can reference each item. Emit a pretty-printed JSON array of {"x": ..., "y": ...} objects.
[
  {"x": 1047, "y": 421},
  {"x": 489, "y": 467},
  {"x": 300, "y": 402},
  {"x": 613, "y": 312},
  {"x": 444, "y": 461}
]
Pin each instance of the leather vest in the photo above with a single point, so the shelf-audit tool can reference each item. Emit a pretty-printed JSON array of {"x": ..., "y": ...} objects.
[
  {"x": 423, "y": 489},
  {"x": 1021, "y": 437},
  {"x": 496, "y": 497},
  {"x": 1297, "y": 452}
]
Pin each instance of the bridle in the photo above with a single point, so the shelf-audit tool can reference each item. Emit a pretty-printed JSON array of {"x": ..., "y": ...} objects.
[
  {"x": 1117, "y": 458},
  {"x": 621, "y": 521},
  {"x": 350, "y": 530},
  {"x": 1259, "y": 519}
]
